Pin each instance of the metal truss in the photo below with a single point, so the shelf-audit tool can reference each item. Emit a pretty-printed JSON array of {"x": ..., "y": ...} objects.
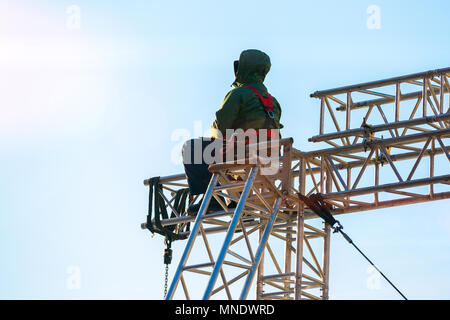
[
  {"x": 265, "y": 236},
  {"x": 405, "y": 95},
  {"x": 412, "y": 136}
]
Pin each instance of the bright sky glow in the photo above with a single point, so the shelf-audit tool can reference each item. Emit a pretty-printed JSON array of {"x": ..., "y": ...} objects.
[{"x": 88, "y": 112}]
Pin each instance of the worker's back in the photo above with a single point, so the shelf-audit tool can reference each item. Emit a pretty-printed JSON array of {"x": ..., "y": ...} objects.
[{"x": 247, "y": 108}]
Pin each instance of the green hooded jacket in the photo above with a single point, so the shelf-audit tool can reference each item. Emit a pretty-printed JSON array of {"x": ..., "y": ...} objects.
[{"x": 242, "y": 108}]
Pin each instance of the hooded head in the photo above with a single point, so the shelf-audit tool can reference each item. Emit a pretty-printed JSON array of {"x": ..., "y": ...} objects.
[{"x": 252, "y": 67}]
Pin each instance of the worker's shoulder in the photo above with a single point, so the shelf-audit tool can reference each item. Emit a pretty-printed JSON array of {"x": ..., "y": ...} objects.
[
  {"x": 239, "y": 90},
  {"x": 275, "y": 100},
  {"x": 237, "y": 93},
  {"x": 245, "y": 91}
]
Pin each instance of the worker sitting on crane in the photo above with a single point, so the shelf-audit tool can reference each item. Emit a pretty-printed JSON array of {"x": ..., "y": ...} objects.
[{"x": 248, "y": 108}]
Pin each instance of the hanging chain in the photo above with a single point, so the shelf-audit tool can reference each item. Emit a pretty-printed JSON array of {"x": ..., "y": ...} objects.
[
  {"x": 166, "y": 280},
  {"x": 167, "y": 261}
]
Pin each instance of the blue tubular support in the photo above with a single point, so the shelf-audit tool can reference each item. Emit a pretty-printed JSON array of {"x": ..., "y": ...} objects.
[
  {"x": 230, "y": 232},
  {"x": 192, "y": 236},
  {"x": 259, "y": 252}
]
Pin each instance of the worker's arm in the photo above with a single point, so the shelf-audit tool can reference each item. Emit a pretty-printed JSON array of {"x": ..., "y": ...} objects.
[
  {"x": 228, "y": 112},
  {"x": 277, "y": 112}
]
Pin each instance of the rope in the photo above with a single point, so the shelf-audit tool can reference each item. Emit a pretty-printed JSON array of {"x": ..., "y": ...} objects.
[
  {"x": 316, "y": 203},
  {"x": 349, "y": 240}
]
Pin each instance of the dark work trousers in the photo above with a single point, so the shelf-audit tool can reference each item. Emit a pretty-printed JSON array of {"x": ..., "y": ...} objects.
[
  {"x": 196, "y": 161},
  {"x": 199, "y": 153}
]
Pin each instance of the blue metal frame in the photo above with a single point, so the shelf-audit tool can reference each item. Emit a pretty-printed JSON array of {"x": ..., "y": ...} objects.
[
  {"x": 192, "y": 236},
  {"x": 230, "y": 232},
  {"x": 259, "y": 252}
]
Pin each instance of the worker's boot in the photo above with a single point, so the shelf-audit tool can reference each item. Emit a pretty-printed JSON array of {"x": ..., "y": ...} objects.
[{"x": 213, "y": 206}]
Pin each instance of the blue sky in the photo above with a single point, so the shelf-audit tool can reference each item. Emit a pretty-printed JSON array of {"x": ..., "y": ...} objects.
[{"x": 87, "y": 113}]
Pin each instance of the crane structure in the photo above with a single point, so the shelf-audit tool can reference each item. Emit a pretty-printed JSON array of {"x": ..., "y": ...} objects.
[{"x": 385, "y": 146}]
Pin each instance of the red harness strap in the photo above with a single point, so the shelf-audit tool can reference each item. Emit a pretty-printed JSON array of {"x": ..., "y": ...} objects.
[
  {"x": 251, "y": 137},
  {"x": 267, "y": 102},
  {"x": 270, "y": 133}
]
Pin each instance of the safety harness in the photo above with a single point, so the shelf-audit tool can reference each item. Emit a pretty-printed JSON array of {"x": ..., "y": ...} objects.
[
  {"x": 267, "y": 102},
  {"x": 268, "y": 107}
]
